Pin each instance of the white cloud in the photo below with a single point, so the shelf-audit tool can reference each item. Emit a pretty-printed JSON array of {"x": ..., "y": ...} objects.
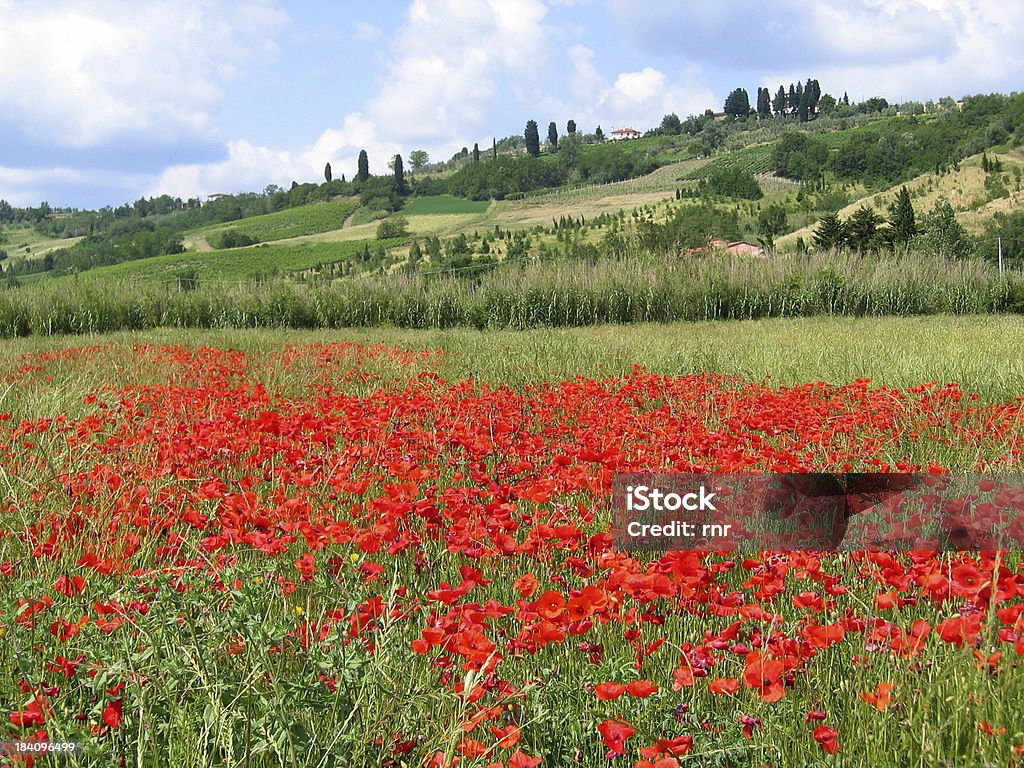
[
  {"x": 447, "y": 63},
  {"x": 79, "y": 73},
  {"x": 250, "y": 167},
  {"x": 986, "y": 56},
  {"x": 638, "y": 87}
]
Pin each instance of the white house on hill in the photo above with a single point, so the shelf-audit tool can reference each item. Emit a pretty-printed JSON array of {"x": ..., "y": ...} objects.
[{"x": 624, "y": 133}]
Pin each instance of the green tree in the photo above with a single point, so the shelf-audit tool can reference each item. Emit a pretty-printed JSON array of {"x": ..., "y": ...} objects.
[
  {"x": 393, "y": 226},
  {"x": 779, "y": 102},
  {"x": 399, "y": 175},
  {"x": 570, "y": 127},
  {"x": 476, "y": 153},
  {"x": 862, "y": 232},
  {"x": 771, "y": 221},
  {"x": 418, "y": 159},
  {"x": 804, "y": 109},
  {"x": 363, "y": 167},
  {"x": 830, "y": 233},
  {"x": 902, "y": 221},
  {"x": 599, "y": 134},
  {"x": 941, "y": 235},
  {"x": 671, "y": 125},
  {"x": 327, "y": 173},
  {"x": 553, "y": 135},
  {"x": 815, "y": 95},
  {"x": 800, "y": 156},
  {"x": 764, "y": 103},
  {"x": 737, "y": 103},
  {"x": 532, "y": 137}
]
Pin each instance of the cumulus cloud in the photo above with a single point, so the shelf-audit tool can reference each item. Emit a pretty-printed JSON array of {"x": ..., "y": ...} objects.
[
  {"x": 986, "y": 56},
  {"x": 448, "y": 62},
  {"x": 80, "y": 73},
  {"x": 250, "y": 167}
]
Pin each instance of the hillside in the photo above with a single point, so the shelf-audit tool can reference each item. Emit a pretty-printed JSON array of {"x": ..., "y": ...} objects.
[
  {"x": 976, "y": 195},
  {"x": 767, "y": 180}
]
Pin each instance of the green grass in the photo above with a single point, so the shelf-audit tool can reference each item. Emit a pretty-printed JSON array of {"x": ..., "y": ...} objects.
[
  {"x": 981, "y": 353},
  {"x": 293, "y": 222},
  {"x": 443, "y": 204}
]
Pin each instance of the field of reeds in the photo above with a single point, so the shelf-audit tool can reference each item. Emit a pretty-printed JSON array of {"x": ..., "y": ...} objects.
[{"x": 628, "y": 289}]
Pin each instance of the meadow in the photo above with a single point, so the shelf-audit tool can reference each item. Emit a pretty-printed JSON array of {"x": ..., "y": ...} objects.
[{"x": 389, "y": 547}]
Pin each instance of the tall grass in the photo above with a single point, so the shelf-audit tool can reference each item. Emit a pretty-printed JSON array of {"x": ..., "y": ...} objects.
[{"x": 613, "y": 290}]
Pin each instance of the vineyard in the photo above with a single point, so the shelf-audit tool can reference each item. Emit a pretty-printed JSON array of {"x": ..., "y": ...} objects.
[
  {"x": 755, "y": 159},
  {"x": 293, "y": 222}
]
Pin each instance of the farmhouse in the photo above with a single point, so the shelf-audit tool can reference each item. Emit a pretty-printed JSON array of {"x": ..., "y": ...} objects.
[
  {"x": 738, "y": 247},
  {"x": 624, "y": 133}
]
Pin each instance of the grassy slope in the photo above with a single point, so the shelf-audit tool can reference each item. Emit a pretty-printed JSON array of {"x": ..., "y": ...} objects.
[
  {"x": 293, "y": 222},
  {"x": 25, "y": 243},
  {"x": 964, "y": 188}
]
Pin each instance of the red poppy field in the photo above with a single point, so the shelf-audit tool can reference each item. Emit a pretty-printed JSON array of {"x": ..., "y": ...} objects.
[{"x": 331, "y": 555}]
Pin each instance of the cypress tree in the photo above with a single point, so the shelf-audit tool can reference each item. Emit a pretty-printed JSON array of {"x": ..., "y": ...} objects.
[
  {"x": 903, "y": 222},
  {"x": 363, "y": 167},
  {"x": 399, "y": 175},
  {"x": 532, "y": 136}
]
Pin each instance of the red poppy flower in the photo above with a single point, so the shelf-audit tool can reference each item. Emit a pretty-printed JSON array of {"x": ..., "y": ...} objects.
[
  {"x": 724, "y": 686},
  {"x": 615, "y": 734},
  {"x": 112, "y": 713},
  {"x": 609, "y": 691},
  {"x": 827, "y": 736},
  {"x": 881, "y": 697},
  {"x": 641, "y": 689}
]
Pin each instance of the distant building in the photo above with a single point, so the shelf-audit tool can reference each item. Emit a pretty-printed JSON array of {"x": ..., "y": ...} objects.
[
  {"x": 624, "y": 133},
  {"x": 720, "y": 116},
  {"x": 717, "y": 244},
  {"x": 738, "y": 247}
]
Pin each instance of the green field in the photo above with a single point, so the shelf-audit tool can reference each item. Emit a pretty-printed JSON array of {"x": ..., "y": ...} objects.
[
  {"x": 293, "y": 222},
  {"x": 231, "y": 265},
  {"x": 443, "y": 204},
  {"x": 979, "y": 352}
]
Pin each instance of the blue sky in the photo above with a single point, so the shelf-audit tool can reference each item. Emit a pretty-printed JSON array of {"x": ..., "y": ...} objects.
[{"x": 103, "y": 101}]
